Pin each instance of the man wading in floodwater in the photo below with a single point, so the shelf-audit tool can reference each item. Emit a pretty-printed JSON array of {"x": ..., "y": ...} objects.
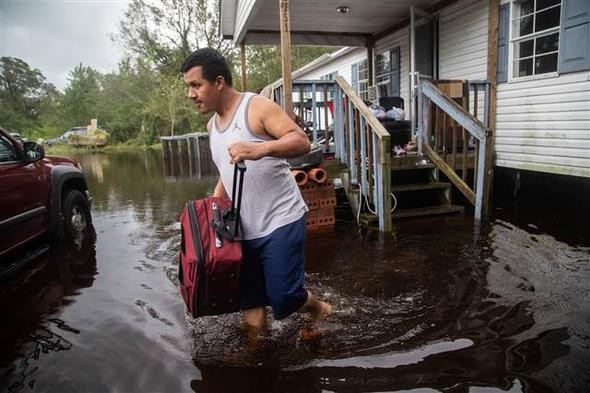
[{"x": 250, "y": 127}]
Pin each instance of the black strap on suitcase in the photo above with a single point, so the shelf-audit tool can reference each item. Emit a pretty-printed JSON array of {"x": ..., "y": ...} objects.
[{"x": 227, "y": 222}]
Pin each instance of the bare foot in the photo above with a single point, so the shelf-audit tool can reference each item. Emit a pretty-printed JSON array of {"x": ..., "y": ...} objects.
[
  {"x": 253, "y": 336},
  {"x": 309, "y": 333},
  {"x": 312, "y": 331},
  {"x": 323, "y": 310}
]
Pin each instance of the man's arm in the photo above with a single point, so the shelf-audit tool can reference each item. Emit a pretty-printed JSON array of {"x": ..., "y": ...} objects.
[
  {"x": 268, "y": 119},
  {"x": 219, "y": 190}
]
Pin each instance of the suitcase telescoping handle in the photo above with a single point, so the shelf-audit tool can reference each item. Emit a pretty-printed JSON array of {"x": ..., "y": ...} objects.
[{"x": 235, "y": 208}]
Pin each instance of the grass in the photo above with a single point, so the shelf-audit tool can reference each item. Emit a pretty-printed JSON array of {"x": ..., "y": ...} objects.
[{"x": 64, "y": 149}]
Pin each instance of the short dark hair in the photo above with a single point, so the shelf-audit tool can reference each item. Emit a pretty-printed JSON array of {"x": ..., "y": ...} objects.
[{"x": 212, "y": 64}]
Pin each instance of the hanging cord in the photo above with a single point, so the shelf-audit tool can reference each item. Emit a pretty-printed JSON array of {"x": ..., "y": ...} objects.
[
  {"x": 363, "y": 196},
  {"x": 394, "y": 202}
]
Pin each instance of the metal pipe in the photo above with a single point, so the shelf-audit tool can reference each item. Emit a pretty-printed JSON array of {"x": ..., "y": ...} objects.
[{"x": 412, "y": 67}]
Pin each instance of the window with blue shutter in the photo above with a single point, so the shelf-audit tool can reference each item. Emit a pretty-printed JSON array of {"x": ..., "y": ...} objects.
[
  {"x": 535, "y": 36},
  {"x": 574, "y": 46},
  {"x": 395, "y": 71}
]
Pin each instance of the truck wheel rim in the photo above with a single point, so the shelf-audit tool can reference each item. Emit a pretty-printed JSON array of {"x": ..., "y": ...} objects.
[{"x": 78, "y": 220}]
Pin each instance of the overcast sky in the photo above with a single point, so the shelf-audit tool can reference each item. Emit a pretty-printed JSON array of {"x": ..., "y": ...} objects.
[{"x": 56, "y": 35}]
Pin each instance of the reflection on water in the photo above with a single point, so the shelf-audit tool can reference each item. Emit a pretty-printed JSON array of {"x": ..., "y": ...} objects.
[
  {"x": 31, "y": 327},
  {"x": 182, "y": 165},
  {"x": 439, "y": 306}
]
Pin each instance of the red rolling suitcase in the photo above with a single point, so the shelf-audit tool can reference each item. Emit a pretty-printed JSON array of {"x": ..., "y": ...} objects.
[{"x": 211, "y": 253}]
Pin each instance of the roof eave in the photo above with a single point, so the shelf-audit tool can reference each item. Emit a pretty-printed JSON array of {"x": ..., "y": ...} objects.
[{"x": 227, "y": 18}]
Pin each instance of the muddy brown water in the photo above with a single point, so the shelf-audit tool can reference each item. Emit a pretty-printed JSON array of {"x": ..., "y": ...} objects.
[{"x": 439, "y": 306}]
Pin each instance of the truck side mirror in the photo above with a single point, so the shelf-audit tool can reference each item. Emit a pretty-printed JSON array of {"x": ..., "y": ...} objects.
[{"x": 33, "y": 151}]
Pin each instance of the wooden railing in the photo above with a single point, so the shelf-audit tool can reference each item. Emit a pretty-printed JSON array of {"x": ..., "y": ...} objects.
[
  {"x": 352, "y": 132},
  {"x": 363, "y": 144},
  {"x": 456, "y": 141},
  {"x": 311, "y": 108}
]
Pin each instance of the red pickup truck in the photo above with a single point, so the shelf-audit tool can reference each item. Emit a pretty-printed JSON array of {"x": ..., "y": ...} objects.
[{"x": 40, "y": 198}]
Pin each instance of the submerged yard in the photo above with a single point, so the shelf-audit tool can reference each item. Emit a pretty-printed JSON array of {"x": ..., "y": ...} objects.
[{"x": 440, "y": 305}]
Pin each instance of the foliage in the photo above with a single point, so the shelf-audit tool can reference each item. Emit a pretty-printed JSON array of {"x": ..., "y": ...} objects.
[
  {"x": 145, "y": 97},
  {"x": 165, "y": 32},
  {"x": 123, "y": 97},
  {"x": 161, "y": 34},
  {"x": 26, "y": 100},
  {"x": 264, "y": 64},
  {"x": 80, "y": 99}
]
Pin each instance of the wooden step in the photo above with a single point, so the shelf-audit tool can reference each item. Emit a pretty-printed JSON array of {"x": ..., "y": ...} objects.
[
  {"x": 412, "y": 167},
  {"x": 372, "y": 220},
  {"x": 420, "y": 186},
  {"x": 409, "y": 159},
  {"x": 369, "y": 220},
  {"x": 427, "y": 211}
]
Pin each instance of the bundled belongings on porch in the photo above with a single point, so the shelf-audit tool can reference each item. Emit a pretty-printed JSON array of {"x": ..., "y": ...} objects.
[
  {"x": 211, "y": 252},
  {"x": 393, "y": 120}
]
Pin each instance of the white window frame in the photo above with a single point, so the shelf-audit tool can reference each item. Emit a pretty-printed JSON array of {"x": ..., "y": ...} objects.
[
  {"x": 514, "y": 41},
  {"x": 363, "y": 94},
  {"x": 386, "y": 76},
  {"x": 388, "y": 82}
]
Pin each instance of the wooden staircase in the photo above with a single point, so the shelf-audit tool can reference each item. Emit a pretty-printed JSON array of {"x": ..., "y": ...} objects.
[
  {"x": 416, "y": 191},
  {"x": 454, "y": 142}
]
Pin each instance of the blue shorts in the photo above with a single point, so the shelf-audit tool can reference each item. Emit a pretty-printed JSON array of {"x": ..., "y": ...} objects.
[{"x": 273, "y": 270}]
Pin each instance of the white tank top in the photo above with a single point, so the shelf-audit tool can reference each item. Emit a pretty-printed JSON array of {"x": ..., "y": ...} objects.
[{"x": 270, "y": 196}]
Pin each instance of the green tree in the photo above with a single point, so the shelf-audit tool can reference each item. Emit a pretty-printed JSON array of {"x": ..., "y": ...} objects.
[
  {"x": 25, "y": 97},
  {"x": 167, "y": 31},
  {"x": 264, "y": 65},
  {"x": 162, "y": 33},
  {"x": 170, "y": 106},
  {"x": 123, "y": 97},
  {"x": 79, "y": 103}
]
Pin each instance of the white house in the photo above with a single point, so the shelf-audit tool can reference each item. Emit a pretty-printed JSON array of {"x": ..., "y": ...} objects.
[
  {"x": 542, "y": 120},
  {"x": 528, "y": 59}
]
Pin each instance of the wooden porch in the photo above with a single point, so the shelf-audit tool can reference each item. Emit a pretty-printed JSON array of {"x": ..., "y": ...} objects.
[
  {"x": 453, "y": 142},
  {"x": 382, "y": 186}
]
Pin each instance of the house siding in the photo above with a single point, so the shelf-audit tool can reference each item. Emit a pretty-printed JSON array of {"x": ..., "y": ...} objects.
[
  {"x": 463, "y": 42},
  {"x": 463, "y": 45},
  {"x": 541, "y": 124},
  {"x": 544, "y": 125},
  {"x": 342, "y": 65}
]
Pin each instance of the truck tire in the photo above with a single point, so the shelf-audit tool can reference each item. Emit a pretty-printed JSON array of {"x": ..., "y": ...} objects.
[{"x": 77, "y": 220}]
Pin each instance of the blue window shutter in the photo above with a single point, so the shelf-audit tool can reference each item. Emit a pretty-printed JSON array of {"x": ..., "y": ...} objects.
[
  {"x": 503, "y": 24},
  {"x": 574, "y": 36},
  {"x": 354, "y": 77},
  {"x": 395, "y": 71}
]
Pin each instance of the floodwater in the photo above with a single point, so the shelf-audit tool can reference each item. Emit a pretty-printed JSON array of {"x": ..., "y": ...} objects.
[{"x": 438, "y": 306}]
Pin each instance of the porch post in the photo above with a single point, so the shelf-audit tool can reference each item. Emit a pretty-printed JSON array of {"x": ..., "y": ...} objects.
[
  {"x": 286, "y": 56},
  {"x": 420, "y": 121},
  {"x": 243, "y": 61},
  {"x": 494, "y": 8},
  {"x": 413, "y": 71},
  {"x": 370, "y": 46}
]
